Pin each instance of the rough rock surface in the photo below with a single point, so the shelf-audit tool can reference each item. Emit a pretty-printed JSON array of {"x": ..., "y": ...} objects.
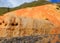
[
  {"x": 33, "y": 39},
  {"x": 14, "y": 26}
]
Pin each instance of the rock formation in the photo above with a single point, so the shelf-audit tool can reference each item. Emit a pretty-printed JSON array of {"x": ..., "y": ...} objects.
[
  {"x": 40, "y": 20},
  {"x": 15, "y": 26}
]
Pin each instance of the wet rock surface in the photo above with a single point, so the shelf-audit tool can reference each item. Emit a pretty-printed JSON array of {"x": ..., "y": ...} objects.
[{"x": 32, "y": 39}]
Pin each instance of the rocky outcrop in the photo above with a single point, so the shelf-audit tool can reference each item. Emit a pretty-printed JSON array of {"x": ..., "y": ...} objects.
[
  {"x": 33, "y": 21},
  {"x": 15, "y": 26}
]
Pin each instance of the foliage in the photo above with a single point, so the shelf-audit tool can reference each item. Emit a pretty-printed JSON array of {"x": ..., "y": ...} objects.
[{"x": 3, "y": 10}]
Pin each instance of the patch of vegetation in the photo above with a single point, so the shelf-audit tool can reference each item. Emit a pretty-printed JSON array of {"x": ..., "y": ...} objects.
[{"x": 3, "y": 10}]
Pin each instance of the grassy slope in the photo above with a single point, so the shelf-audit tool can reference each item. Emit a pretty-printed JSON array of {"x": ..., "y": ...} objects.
[{"x": 24, "y": 5}]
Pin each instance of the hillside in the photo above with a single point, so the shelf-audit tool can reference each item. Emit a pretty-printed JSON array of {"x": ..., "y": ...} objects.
[
  {"x": 24, "y": 5},
  {"x": 33, "y": 21},
  {"x": 3, "y": 10}
]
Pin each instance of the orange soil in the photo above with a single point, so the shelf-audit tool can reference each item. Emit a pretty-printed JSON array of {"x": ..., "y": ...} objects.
[{"x": 41, "y": 12}]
